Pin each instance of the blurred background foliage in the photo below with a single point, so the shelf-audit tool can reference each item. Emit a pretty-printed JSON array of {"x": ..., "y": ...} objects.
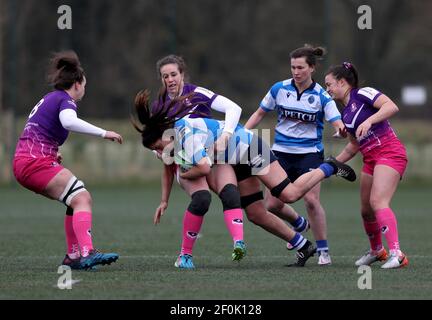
[{"x": 237, "y": 48}]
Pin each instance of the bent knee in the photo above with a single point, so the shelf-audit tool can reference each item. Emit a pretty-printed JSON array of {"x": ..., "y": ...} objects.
[{"x": 82, "y": 199}]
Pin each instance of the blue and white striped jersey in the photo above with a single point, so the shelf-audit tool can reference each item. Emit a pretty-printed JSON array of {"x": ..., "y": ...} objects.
[
  {"x": 300, "y": 116},
  {"x": 194, "y": 136}
]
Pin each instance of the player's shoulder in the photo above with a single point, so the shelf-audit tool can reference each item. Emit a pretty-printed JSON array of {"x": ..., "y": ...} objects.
[
  {"x": 321, "y": 92},
  {"x": 201, "y": 90},
  {"x": 284, "y": 84},
  {"x": 367, "y": 92}
]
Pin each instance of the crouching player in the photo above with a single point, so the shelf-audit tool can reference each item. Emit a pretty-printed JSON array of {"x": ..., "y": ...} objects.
[{"x": 37, "y": 167}]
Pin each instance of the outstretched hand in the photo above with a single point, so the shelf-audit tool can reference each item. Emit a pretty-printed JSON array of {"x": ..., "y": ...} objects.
[
  {"x": 113, "y": 136},
  {"x": 341, "y": 133},
  {"x": 160, "y": 212}
]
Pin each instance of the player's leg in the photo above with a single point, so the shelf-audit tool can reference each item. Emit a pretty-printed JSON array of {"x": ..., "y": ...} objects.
[
  {"x": 252, "y": 202},
  {"x": 385, "y": 182},
  {"x": 372, "y": 229},
  {"x": 285, "y": 212},
  {"x": 66, "y": 188},
  {"x": 193, "y": 218},
  {"x": 317, "y": 219},
  {"x": 224, "y": 183}
]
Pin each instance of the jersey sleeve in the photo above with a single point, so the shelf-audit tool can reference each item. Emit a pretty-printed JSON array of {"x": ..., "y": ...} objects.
[
  {"x": 368, "y": 95},
  {"x": 203, "y": 96},
  {"x": 67, "y": 104},
  {"x": 331, "y": 111},
  {"x": 268, "y": 103}
]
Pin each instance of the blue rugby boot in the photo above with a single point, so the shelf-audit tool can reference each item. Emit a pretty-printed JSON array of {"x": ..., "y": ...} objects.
[
  {"x": 184, "y": 261},
  {"x": 95, "y": 258},
  {"x": 239, "y": 250}
]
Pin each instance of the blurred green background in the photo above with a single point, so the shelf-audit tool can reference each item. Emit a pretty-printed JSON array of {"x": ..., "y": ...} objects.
[{"x": 235, "y": 48}]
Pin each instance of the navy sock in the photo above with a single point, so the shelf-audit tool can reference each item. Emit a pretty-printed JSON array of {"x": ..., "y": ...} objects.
[
  {"x": 298, "y": 241},
  {"x": 322, "y": 245},
  {"x": 327, "y": 169}
]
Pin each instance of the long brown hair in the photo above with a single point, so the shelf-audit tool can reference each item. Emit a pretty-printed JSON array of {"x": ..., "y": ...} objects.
[{"x": 152, "y": 125}]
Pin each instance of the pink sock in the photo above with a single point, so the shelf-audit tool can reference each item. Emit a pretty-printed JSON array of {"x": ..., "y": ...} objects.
[
  {"x": 373, "y": 232},
  {"x": 191, "y": 227},
  {"x": 82, "y": 222},
  {"x": 388, "y": 225},
  {"x": 234, "y": 222},
  {"x": 71, "y": 240}
]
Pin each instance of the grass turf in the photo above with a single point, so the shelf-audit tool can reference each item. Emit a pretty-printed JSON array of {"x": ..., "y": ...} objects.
[{"x": 31, "y": 234}]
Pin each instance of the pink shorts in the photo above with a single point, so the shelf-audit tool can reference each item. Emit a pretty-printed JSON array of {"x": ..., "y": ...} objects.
[
  {"x": 392, "y": 153},
  {"x": 35, "y": 173}
]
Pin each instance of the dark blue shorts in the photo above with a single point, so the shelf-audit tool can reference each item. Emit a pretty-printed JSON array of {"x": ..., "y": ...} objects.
[{"x": 297, "y": 164}]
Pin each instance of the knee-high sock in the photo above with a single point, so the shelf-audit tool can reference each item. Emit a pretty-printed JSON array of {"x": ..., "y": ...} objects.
[
  {"x": 71, "y": 239},
  {"x": 234, "y": 223},
  {"x": 82, "y": 222},
  {"x": 191, "y": 228},
  {"x": 373, "y": 232},
  {"x": 388, "y": 224}
]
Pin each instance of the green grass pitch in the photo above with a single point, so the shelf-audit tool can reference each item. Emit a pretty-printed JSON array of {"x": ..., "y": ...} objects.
[{"x": 32, "y": 243}]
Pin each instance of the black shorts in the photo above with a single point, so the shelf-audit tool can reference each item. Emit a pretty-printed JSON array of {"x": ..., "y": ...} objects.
[
  {"x": 297, "y": 164},
  {"x": 259, "y": 156}
]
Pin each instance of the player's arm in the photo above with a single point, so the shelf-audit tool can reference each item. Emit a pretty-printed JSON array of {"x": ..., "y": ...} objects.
[
  {"x": 202, "y": 168},
  {"x": 387, "y": 108},
  {"x": 71, "y": 122},
  {"x": 232, "y": 116},
  {"x": 339, "y": 128},
  {"x": 255, "y": 118},
  {"x": 167, "y": 182},
  {"x": 349, "y": 151}
]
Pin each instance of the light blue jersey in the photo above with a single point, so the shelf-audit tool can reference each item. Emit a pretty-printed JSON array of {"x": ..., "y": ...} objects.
[
  {"x": 300, "y": 116},
  {"x": 194, "y": 137}
]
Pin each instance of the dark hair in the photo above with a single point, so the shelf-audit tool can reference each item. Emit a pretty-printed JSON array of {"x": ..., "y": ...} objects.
[
  {"x": 309, "y": 52},
  {"x": 64, "y": 70},
  {"x": 171, "y": 59},
  {"x": 346, "y": 71},
  {"x": 153, "y": 125}
]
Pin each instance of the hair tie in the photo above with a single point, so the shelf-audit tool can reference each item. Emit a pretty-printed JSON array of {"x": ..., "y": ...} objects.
[{"x": 347, "y": 65}]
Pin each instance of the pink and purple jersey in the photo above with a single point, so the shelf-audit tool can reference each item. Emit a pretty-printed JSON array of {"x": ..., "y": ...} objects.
[
  {"x": 200, "y": 101},
  {"x": 43, "y": 132},
  {"x": 359, "y": 108}
]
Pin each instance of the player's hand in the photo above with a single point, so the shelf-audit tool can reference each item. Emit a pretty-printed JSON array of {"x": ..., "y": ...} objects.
[
  {"x": 222, "y": 143},
  {"x": 363, "y": 129},
  {"x": 341, "y": 133},
  {"x": 160, "y": 212},
  {"x": 113, "y": 136},
  {"x": 59, "y": 157}
]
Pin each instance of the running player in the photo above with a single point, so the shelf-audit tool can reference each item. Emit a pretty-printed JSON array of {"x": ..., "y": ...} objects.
[
  {"x": 36, "y": 163},
  {"x": 365, "y": 114},
  {"x": 302, "y": 105}
]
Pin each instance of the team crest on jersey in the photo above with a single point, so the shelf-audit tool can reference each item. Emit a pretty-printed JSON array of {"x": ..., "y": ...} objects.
[
  {"x": 288, "y": 94},
  {"x": 311, "y": 99},
  {"x": 353, "y": 107}
]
